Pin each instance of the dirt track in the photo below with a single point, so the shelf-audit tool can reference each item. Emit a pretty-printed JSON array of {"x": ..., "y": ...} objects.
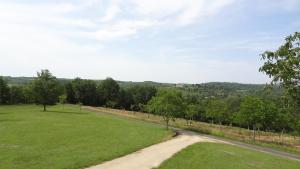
[{"x": 153, "y": 156}]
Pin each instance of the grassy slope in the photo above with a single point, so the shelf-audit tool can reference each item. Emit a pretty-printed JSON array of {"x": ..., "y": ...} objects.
[
  {"x": 266, "y": 139},
  {"x": 221, "y": 156},
  {"x": 67, "y": 137}
]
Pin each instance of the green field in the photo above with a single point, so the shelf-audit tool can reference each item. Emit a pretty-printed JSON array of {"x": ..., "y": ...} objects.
[
  {"x": 67, "y": 137},
  {"x": 221, "y": 156}
]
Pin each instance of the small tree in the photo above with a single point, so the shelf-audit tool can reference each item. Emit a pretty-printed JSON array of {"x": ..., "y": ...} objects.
[
  {"x": 216, "y": 110},
  {"x": 190, "y": 112},
  {"x": 168, "y": 104},
  {"x": 252, "y": 112},
  {"x": 45, "y": 88}
]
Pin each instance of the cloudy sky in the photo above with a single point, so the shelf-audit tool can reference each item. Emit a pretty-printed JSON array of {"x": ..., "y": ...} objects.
[{"x": 191, "y": 41}]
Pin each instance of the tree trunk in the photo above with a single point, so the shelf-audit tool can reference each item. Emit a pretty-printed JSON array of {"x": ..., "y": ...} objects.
[
  {"x": 281, "y": 135},
  {"x": 45, "y": 107},
  {"x": 254, "y": 132},
  {"x": 167, "y": 121},
  {"x": 258, "y": 133}
]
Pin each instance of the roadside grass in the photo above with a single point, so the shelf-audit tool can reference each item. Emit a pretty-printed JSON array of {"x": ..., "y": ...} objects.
[
  {"x": 66, "y": 137},
  {"x": 287, "y": 143},
  {"x": 222, "y": 156}
]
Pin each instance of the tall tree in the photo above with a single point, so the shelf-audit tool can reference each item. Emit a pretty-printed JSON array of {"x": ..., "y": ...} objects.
[
  {"x": 4, "y": 91},
  {"x": 283, "y": 65},
  {"x": 70, "y": 93},
  {"x": 88, "y": 94},
  {"x": 168, "y": 104},
  {"x": 45, "y": 88},
  {"x": 110, "y": 91}
]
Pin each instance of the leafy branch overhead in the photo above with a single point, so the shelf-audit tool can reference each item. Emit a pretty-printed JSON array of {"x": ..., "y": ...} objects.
[{"x": 283, "y": 65}]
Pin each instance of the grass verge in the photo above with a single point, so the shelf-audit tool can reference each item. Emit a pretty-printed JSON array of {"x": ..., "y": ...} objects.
[
  {"x": 221, "y": 156},
  {"x": 66, "y": 137},
  {"x": 286, "y": 143}
]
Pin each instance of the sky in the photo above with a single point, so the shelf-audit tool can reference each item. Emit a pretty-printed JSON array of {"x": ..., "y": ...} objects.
[{"x": 176, "y": 41}]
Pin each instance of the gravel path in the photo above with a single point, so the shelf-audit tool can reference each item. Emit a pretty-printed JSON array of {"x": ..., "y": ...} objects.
[{"x": 153, "y": 156}]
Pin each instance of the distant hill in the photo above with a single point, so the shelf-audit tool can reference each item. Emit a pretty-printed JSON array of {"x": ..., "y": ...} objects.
[
  {"x": 124, "y": 84},
  {"x": 26, "y": 80},
  {"x": 211, "y": 89}
]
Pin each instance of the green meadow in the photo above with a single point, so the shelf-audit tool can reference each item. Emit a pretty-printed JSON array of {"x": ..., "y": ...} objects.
[
  {"x": 221, "y": 156},
  {"x": 66, "y": 137}
]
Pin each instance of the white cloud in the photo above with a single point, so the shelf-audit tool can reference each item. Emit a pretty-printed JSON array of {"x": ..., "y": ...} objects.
[{"x": 112, "y": 10}]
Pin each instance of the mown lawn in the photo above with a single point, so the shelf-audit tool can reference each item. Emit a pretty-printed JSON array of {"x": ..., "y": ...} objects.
[
  {"x": 67, "y": 137},
  {"x": 221, "y": 156}
]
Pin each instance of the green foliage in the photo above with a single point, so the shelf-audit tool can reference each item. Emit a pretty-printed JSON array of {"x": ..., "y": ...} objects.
[
  {"x": 45, "y": 88},
  {"x": 17, "y": 95},
  {"x": 62, "y": 99},
  {"x": 4, "y": 91},
  {"x": 70, "y": 93},
  {"x": 109, "y": 89},
  {"x": 283, "y": 65},
  {"x": 215, "y": 110},
  {"x": 125, "y": 99},
  {"x": 141, "y": 95},
  {"x": 191, "y": 111},
  {"x": 252, "y": 111},
  {"x": 168, "y": 103}
]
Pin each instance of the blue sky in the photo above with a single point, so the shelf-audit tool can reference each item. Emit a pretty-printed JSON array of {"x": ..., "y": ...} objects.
[{"x": 190, "y": 41}]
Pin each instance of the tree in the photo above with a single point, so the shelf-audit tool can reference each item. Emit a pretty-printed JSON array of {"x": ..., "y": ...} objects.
[
  {"x": 17, "y": 95},
  {"x": 125, "y": 99},
  {"x": 141, "y": 95},
  {"x": 215, "y": 110},
  {"x": 282, "y": 120},
  {"x": 45, "y": 88},
  {"x": 70, "y": 93},
  {"x": 88, "y": 95},
  {"x": 283, "y": 65},
  {"x": 28, "y": 93},
  {"x": 191, "y": 111},
  {"x": 252, "y": 112},
  {"x": 168, "y": 104},
  {"x": 4, "y": 91},
  {"x": 109, "y": 89},
  {"x": 232, "y": 106}
]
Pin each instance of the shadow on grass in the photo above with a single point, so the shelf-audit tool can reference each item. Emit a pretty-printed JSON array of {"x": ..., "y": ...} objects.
[
  {"x": 3, "y": 113},
  {"x": 9, "y": 120},
  {"x": 66, "y": 112}
]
